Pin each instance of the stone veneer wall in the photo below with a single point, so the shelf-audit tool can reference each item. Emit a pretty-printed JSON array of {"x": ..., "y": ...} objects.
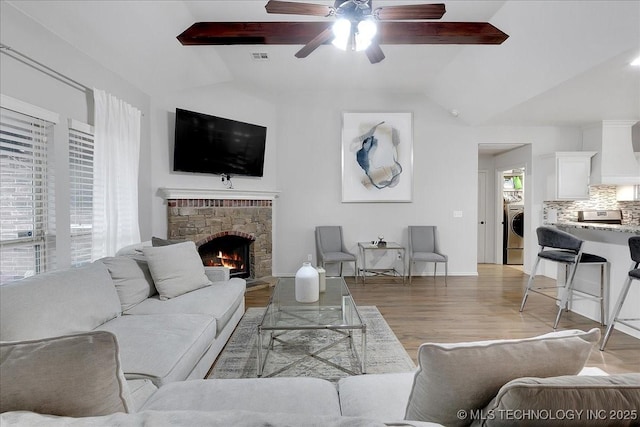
[
  {"x": 601, "y": 197},
  {"x": 200, "y": 220}
]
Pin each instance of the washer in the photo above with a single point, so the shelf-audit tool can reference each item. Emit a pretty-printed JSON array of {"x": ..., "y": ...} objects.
[{"x": 515, "y": 234}]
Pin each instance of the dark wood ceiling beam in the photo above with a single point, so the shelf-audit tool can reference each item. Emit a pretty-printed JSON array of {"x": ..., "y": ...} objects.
[
  {"x": 225, "y": 33},
  {"x": 300, "y": 33},
  {"x": 439, "y": 33}
]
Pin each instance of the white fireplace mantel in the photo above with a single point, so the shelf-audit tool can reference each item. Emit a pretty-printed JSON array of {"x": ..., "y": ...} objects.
[{"x": 230, "y": 194}]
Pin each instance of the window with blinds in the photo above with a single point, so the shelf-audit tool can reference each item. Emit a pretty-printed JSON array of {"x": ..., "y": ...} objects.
[
  {"x": 80, "y": 191},
  {"x": 27, "y": 235}
]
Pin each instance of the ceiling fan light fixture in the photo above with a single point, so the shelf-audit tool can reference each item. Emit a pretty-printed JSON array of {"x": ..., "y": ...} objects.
[
  {"x": 341, "y": 31},
  {"x": 366, "y": 32}
]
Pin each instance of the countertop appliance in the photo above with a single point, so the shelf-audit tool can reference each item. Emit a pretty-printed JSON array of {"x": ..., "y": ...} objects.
[{"x": 601, "y": 217}]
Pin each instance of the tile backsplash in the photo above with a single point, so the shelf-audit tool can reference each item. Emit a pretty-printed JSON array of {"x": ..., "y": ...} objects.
[{"x": 601, "y": 197}]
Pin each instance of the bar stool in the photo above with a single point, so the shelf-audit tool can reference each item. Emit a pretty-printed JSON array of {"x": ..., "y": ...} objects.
[
  {"x": 634, "y": 273},
  {"x": 564, "y": 248}
]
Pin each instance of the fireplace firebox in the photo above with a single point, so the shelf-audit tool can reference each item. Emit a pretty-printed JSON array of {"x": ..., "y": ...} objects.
[{"x": 228, "y": 251}]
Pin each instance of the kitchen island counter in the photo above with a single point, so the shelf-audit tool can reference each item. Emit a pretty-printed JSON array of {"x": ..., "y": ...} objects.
[{"x": 620, "y": 228}]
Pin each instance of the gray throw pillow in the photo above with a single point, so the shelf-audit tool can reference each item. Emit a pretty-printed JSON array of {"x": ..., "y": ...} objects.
[
  {"x": 74, "y": 375},
  {"x": 157, "y": 241},
  {"x": 131, "y": 278},
  {"x": 176, "y": 269},
  {"x": 575, "y": 399},
  {"x": 454, "y": 379}
]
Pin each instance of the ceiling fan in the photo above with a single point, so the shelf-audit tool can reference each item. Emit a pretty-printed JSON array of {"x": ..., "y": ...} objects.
[{"x": 358, "y": 26}]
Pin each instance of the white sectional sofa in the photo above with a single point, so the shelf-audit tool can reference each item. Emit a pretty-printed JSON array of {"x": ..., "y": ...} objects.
[
  {"x": 95, "y": 346},
  {"x": 160, "y": 340}
]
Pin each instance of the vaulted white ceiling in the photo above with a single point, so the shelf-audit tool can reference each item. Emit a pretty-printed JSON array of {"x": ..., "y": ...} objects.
[{"x": 565, "y": 62}]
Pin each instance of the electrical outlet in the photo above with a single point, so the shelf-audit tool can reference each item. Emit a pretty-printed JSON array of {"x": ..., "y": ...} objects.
[
  {"x": 457, "y": 214},
  {"x": 309, "y": 257}
]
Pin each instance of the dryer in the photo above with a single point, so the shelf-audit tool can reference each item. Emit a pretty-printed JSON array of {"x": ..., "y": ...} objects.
[{"x": 515, "y": 233}]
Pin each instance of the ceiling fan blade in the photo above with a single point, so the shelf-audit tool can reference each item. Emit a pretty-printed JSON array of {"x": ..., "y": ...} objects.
[
  {"x": 417, "y": 11},
  {"x": 321, "y": 38},
  {"x": 293, "y": 8},
  {"x": 374, "y": 53}
]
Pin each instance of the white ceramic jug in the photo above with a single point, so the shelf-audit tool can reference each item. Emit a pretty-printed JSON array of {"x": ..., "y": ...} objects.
[{"x": 307, "y": 284}]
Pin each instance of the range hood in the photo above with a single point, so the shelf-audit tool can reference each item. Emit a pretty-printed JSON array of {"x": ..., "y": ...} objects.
[{"x": 616, "y": 161}]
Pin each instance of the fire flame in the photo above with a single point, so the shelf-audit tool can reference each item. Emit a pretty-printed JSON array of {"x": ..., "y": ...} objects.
[{"x": 233, "y": 261}]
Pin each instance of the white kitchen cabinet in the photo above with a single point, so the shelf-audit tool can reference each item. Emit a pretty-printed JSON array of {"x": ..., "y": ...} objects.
[{"x": 567, "y": 175}]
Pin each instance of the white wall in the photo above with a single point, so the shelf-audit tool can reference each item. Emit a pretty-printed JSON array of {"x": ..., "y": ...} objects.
[
  {"x": 309, "y": 175},
  {"x": 23, "y": 82}
]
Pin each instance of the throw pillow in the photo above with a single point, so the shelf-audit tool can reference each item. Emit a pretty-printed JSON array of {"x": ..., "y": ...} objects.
[
  {"x": 578, "y": 399},
  {"x": 74, "y": 375},
  {"x": 454, "y": 379},
  {"x": 131, "y": 278},
  {"x": 156, "y": 241},
  {"x": 176, "y": 269}
]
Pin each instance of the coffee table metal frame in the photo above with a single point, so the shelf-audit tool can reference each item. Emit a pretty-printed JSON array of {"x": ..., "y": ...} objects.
[{"x": 335, "y": 311}]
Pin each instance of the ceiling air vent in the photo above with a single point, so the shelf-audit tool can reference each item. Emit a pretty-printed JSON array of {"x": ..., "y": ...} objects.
[{"x": 260, "y": 56}]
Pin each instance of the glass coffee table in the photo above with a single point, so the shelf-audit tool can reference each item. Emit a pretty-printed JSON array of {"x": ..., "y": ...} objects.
[{"x": 334, "y": 311}]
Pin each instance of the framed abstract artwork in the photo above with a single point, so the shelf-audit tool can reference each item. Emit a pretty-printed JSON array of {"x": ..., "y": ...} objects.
[{"x": 377, "y": 157}]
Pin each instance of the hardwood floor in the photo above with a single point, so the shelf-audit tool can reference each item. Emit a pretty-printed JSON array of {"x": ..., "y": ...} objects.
[{"x": 474, "y": 308}]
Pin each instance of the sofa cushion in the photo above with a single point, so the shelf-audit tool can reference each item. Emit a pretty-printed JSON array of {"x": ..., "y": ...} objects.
[
  {"x": 381, "y": 397},
  {"x": 176, "y": 269},
  {"x": 466, "y": 376},
  {"x": 219, "y": 300},
  {"x": 57, "y": 303},
  {"x": 141, "y": 390},
  {"x": 74, "y": 375},
  {"x": 308, "y": 396},
  {"x": 132, "y": 279},
  {"x": 162, "y": 347},
  {"x": 591, "y": 401},
  {"x": 133, "y": 250}
]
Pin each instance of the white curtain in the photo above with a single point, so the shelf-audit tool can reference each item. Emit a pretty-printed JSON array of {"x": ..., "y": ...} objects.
[{"x": 115, "y": 187}]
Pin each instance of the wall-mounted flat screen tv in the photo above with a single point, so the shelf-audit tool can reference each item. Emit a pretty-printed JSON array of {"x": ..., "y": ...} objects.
[{"x": 209, "y": 144}]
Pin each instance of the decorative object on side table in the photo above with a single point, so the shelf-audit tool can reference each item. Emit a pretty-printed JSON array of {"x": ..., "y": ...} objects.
[
  {"x": 380, "y": 242},
  {"x": 307, "y": 283}
]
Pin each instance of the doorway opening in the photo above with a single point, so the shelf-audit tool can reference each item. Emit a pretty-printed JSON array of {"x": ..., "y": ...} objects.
[
  {"x": 513, "y": 217},
  {"x": 498, "y": 164}
]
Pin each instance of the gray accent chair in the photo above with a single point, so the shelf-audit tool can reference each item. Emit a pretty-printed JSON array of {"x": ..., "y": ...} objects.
[
  {"x": 634, "y": 274},
  {"x": 424, "y": 247},
  {"x": 331, "y": 249},
  {"x": 564, "y": 248}
]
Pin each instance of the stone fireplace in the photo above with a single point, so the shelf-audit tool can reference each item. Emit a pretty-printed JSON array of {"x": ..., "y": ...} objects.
[{"x": 231, "y": 228}]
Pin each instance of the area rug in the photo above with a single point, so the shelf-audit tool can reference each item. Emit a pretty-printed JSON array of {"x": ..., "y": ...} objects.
[{"x": 384, "y": 351}]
